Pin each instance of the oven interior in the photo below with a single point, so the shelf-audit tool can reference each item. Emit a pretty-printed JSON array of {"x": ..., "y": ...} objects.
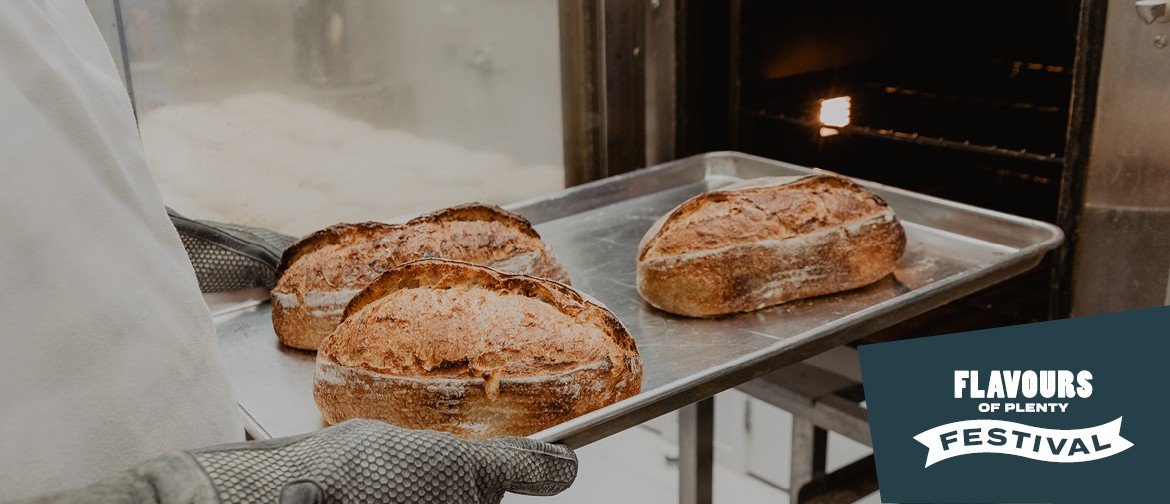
[{"x": 970, "y": 102}]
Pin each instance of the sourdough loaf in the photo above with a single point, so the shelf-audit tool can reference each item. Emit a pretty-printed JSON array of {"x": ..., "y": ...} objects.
[
  {"x": 318, "y": 275},
  {"x": 452, "y": 346},
  {"x": 766, "y": 241}
]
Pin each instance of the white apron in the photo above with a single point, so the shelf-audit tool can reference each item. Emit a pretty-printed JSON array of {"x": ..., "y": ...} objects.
[{"x": 107, "y": 352}]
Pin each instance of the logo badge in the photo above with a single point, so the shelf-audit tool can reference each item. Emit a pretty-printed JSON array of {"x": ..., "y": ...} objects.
[{"x": 1056, "y": 411}]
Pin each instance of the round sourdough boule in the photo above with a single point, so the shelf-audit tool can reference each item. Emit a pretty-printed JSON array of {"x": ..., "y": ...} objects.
[
  {"x": 319, "y": 274},
  {"x": 456, "y": 347},
  {"x": 766, "y": 241}
]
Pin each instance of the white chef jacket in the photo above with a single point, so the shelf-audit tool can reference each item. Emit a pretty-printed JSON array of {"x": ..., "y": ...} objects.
[{"x": 107, "y": 351}]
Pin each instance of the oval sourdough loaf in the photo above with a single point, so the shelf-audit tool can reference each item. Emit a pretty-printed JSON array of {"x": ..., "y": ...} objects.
[
  {"x": 319, "y": 274},
  {"x": 765, "y": 241},
  {"x": 452, "y": 346}
]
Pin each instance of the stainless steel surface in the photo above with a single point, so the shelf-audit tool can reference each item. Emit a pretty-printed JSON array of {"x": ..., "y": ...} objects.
[
  {"x": 809, "y": 451},
  {"x": 952, "y": 250},
  {"x": 841, "y": 360},
  {"x": 696, "y": 453},
  {"x": 1120, "y": 261},
  {"x": 810, "y": 392},
  {"x": 846, "y": 485},
  {"x": 1152, "y": 10},
  {"x": 1167, "y": 302},
  {"x": 1124, "y": 252}
]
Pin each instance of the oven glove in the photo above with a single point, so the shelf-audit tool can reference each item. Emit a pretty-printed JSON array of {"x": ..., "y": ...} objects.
[
  {"x": 229, "y": 257},
  {"x": 353, "y": 461}
]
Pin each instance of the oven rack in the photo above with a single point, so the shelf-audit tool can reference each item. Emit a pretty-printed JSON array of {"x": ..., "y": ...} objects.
[{"x": 1005, "y": 108}]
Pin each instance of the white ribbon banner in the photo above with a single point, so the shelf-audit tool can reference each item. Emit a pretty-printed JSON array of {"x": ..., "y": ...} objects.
[{"x": 1011, "y": 438}]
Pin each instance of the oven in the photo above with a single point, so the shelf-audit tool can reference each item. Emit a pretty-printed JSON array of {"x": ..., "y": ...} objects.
[
  {"x": 971, "y": 105},
  {"x": 1042, "y": 109},
  {"x": 990, "y": 105}
]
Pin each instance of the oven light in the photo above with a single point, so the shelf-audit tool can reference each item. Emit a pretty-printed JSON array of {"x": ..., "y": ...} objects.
[{"x": 835, "y": 111}]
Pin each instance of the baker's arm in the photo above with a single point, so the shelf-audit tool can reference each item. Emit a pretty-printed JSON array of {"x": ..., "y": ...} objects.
[{"x": 354, "y": 461}]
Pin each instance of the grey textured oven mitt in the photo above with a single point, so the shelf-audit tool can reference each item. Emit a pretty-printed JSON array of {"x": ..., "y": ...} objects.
[
  {"x": 353, "y": 461},
  {"x": 230, "y": 257}
]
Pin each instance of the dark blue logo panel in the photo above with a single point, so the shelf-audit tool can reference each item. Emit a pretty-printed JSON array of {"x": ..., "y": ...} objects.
[{"x": 1066, "y": 411}]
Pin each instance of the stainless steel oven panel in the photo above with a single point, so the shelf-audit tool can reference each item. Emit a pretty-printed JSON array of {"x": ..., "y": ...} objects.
[{"x": 1122, "y": 256}]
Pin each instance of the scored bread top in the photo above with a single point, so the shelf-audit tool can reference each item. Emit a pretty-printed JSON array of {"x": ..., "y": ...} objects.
[
  {"x": 440, "y": 318},
  {"x": 761, "y": 209},
  {"x": 348, "y": 255}
]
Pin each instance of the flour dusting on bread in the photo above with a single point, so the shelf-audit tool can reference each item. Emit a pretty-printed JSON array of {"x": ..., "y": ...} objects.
[
  {"x": 766, "y": 241},
  {"x": 319, "y": 274},
  {"x": 449, "y": 345}
]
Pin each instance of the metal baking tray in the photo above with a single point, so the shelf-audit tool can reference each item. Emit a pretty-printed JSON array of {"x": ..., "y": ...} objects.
[{"x": 952, "y": 250}]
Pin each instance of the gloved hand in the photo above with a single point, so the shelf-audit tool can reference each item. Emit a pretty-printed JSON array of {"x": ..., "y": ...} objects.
[
  {"x": 353, "y": 461},
  {"x": 230, "y": 256}
]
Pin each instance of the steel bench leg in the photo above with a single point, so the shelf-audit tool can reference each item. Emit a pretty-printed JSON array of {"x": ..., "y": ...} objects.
[
  {"x": 696, "y": 438},
  {"x": 809, "y": 449}
]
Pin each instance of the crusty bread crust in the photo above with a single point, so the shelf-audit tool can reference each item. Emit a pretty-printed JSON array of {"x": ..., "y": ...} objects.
[
  {"x": 319, "y": 274},
  {"x": 452, "y": 346},
  {"x": 766, "y": 241}
]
